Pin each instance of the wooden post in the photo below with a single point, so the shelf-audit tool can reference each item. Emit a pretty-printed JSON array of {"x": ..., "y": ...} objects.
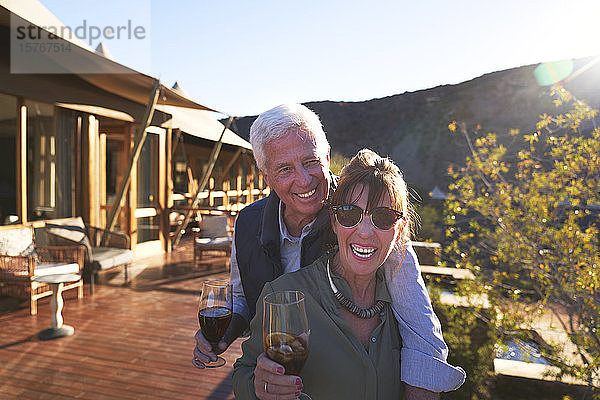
[
  {"x": 226, "y": 197},
  {"x": 139, "y": 142},
  {"x": 168, "y": 190},
  {"x": 211, "y": 164},
  {"x": 102, "y": 179},
  {"x": 163, "y": 212},
  {"x": 211, "y": 189},
  {"x": 77, "y": 209},
  {"x": 92, "y": 205},
  {"x": 21, "y": 167},
  {"x": 238, "y": 185},
  {"x": 132, "y": 199},
  {"x": 249, "y": 182}
]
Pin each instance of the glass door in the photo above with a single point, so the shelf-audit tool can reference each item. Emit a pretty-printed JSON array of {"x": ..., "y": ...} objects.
[{"x": 148, "y": 167}]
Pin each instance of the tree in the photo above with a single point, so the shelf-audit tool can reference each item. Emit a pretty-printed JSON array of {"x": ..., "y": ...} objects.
[{"x": 525, "y": 221}]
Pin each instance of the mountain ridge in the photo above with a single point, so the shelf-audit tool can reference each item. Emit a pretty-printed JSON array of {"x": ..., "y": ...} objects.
[{"x": 412, "y": 127}]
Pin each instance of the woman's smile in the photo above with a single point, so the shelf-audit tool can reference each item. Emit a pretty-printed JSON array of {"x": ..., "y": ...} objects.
[{"x": 363, "y": 251}]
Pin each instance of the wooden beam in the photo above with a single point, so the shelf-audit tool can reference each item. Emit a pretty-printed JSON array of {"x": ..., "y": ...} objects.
[
  {"x": 221, "y": 178},
  {"x": 176, "y": 138},
  {"x": 211, "y": 164},
  {"x": 139, "y": 142}
]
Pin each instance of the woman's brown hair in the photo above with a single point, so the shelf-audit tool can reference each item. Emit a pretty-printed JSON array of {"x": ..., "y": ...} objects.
[{"x": 379, "y": 175}]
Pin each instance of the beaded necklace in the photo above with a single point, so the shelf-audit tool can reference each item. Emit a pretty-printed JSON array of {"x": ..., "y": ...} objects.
[{"x": 364, "y": 313}]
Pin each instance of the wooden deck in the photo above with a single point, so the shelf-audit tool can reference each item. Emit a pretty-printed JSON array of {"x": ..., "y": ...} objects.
[{"x": 130, "y": 342}]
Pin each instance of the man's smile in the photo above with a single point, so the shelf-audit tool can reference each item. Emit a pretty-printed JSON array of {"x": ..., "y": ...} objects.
[{"x": 307, "y": 194}]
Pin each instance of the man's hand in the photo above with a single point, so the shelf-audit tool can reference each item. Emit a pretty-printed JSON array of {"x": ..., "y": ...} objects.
[
  {"x": 271, "y": 383},
  {"x": 417, "y": 393},
  {"x": 205, "y": 352}
]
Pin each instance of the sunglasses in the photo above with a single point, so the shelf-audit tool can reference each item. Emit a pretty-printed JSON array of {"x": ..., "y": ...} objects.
[{"x": 382, "y": 218}]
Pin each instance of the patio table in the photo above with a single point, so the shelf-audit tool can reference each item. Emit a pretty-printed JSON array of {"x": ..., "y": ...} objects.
[{"x": 57, "y": 328}]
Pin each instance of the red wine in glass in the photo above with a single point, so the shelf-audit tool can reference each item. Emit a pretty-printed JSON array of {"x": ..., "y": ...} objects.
[
  {"x": 214, "y": 322},
  {"x": 214, "y": 314}
]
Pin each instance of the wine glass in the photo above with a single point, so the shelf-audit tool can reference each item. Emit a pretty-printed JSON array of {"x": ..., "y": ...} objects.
[
  {"x": 285, "y": 331},
  {"x": 214, "y": 314}
]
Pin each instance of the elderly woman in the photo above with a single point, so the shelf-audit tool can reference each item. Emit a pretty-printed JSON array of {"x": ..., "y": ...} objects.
[{"x": 354, "y": 345}]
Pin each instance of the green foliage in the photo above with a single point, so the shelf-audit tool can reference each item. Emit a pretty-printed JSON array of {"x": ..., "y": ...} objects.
[
  {"x": 470, "y": 338},
  {"x": 431, "y": 222},
  {"x": 526, "y": 223},
  {"x": 338, "y": 162}
]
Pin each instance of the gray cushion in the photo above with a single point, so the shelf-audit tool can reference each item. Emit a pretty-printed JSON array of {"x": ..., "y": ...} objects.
[
  {"x": 108, "y": 257},
  {"x": 56, "y": 268},
  {"x": 214, "y": 226},
  {"x": 220, "y": 243},
  {"x": 67, "y": 232}
]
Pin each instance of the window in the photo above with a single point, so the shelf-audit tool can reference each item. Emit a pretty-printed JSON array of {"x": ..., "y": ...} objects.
[
  {"x": 8, "y": 145},
  {"x": 180, "y": 177},
  {"x": 147, "y": 189},
  {"x": 50, "y": 155}
]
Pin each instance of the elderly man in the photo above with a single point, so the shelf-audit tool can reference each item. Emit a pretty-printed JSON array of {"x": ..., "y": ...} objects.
[{"x": 291, "y": 228}]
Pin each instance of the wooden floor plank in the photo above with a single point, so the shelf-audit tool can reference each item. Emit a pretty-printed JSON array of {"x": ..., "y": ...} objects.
[{"x": 130, "y": 342}]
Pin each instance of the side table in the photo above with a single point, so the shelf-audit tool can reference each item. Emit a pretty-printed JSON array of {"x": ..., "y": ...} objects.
[{"x": 57, "y": 328}]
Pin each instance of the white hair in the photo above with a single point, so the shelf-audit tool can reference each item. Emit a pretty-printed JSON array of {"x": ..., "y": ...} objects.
[{"x": 284, "y": 119}]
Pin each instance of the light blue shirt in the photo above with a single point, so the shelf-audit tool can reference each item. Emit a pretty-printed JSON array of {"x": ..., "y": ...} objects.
[
  {"x": 424, "y": 351},
  {"x": 291, "y": 246}
]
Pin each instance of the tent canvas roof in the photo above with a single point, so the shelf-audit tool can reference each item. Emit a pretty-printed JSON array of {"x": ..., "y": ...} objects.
[
  {"x": 199, "y": 123},
  {"x": 115, "y": 87},
  {"x": 107, "y": 75}
]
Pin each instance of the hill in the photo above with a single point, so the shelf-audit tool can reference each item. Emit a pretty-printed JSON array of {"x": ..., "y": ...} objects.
[{"x": 412, "y": 128}]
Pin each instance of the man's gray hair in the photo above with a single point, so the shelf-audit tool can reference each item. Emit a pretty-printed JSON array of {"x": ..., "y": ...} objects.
[{"x": 281, "y": 120}]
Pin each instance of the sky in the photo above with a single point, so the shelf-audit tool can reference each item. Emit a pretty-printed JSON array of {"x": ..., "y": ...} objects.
[{"x": 243, "y": 57}]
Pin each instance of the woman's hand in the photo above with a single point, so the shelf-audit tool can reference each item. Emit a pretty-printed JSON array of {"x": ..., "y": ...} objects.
[{"x": 270, "y": 382}]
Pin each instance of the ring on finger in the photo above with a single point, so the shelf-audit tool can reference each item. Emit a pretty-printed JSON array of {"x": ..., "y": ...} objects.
[{"x": 266, "y": 387}]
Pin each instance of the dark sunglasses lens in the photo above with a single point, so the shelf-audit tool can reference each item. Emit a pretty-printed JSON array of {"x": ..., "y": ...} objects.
[
  {"x": 384, "y": 218},
  {"x": 348, "y": 215}
]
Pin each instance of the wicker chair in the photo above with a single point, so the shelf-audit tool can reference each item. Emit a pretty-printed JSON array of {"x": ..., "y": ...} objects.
[
  {"x": 18, "y": 271},
  {"x": 103, "y": 249}
]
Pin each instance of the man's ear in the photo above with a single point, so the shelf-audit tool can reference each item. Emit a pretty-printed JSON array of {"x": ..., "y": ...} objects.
[{"x": 266, "y": 178}]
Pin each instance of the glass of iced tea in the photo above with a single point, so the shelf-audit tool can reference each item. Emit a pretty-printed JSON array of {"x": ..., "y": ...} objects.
[
  {"x": 286, "y": 331},
  {"x": 214, "y": 314}
]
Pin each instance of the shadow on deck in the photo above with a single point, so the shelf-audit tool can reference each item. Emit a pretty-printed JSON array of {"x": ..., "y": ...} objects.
[{"x": 130, "y": 342}]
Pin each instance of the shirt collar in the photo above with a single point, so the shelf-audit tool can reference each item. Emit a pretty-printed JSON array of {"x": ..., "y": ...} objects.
[{"x": 283, "y": 231}]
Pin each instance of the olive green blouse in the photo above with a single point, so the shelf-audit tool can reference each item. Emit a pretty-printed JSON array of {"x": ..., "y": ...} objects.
[{"x": 338, "y": 366}]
